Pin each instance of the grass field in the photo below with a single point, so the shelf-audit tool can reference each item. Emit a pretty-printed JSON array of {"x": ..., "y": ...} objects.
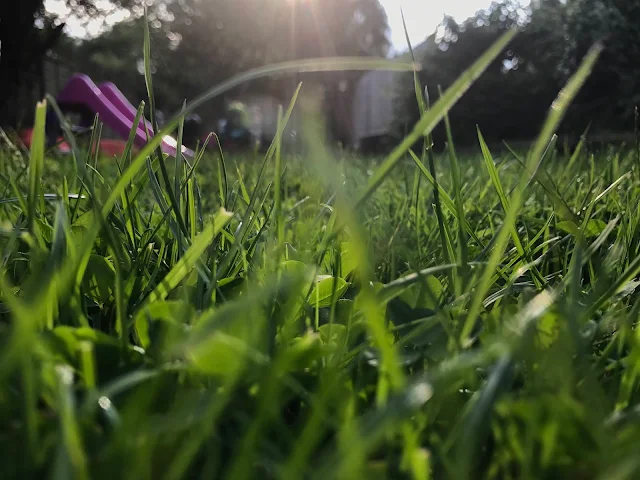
[{"x": 323, "y": 315}]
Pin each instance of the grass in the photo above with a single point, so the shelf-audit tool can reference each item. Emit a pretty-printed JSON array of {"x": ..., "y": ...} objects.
[{"x": 423, "y": 315}]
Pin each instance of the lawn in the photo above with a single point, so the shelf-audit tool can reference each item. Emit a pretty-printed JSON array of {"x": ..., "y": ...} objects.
[{"x": 420, "y": 315}]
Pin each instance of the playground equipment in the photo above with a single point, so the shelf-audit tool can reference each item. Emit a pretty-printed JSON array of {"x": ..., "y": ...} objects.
[
  {"x": 113, "y": 109},
  {"x": 234, "y": 131},
  {"x": 82, "y": 96}
]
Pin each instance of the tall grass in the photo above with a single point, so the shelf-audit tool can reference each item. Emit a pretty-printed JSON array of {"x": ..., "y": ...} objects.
[{"x": 321, "y": 317}]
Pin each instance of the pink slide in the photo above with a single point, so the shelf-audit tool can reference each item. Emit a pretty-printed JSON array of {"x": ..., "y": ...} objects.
[
  {"x": 115, "y": 96},
  {"x": 113, "y": 109}
]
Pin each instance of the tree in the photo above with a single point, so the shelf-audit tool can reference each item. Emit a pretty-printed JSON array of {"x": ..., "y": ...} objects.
[
  {"x": 511, "y": 98},
  {"x": 197, "y": 44},
  {"x": 217, "y": 39},
  {"x": 117, "y": 55},
  {"x": 27, "y": 33},
  {"x": 613, "y": 90}
]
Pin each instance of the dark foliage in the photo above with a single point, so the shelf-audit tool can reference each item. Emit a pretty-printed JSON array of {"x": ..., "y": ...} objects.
[{"x": 510, "y": 101}]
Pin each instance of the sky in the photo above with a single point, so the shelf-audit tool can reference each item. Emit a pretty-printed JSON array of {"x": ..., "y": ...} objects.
[
  {"x": 422, "y": 17},
  {"x": 77, "y": 28}
]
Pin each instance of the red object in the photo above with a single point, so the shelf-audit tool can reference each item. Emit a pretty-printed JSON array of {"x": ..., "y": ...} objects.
[
  {"x": 113, "y": 147},
  {"x": 107, "y": 146}
]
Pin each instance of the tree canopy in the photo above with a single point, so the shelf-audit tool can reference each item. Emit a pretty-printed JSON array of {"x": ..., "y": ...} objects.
[
  {"x": 27, "y": 32},
  {"x": 613, "y": 90},
  {"x": 197, "y": 44},
  {"x": 512, "y": 98}
]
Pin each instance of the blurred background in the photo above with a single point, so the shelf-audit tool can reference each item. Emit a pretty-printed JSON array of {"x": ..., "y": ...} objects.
[{"x": 197, "y": 44}]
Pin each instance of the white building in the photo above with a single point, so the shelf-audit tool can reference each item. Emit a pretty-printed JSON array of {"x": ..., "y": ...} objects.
[{"x": 374, "y": 100}]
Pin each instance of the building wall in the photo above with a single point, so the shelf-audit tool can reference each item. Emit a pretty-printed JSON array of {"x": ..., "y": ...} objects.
[
  {"x": 373, "y": 105},
  {"x": 263, "y": 110}
]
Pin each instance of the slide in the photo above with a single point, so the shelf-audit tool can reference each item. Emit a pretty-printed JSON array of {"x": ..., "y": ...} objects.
[
  {"x": 115, "y": 96},
  {"x": 80, "y": 90}
]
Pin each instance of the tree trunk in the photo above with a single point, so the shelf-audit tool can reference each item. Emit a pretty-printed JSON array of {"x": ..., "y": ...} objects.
[{"x": 23, "y": 45}]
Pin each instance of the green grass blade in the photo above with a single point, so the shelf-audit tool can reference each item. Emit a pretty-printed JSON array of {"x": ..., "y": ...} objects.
[
  {"x": 225, "y": 265},
  {"x": 70, "y": 432},
  {"x": 427, "y": 151},
  {"x": 223, "y": 183},
  {"x": 429, "y": 121},
  {"x": 177, "y": 178},
  {"x": 563, "y": 210},
  {"x": 277, "y": 176},
  {"x": 504, "y": 201},
  {"x": 36, "y": 165},
  {"x": 558, "y": 109},
  {"x": 459, "y": 204},
  {"x": 190, "y": 258}
]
